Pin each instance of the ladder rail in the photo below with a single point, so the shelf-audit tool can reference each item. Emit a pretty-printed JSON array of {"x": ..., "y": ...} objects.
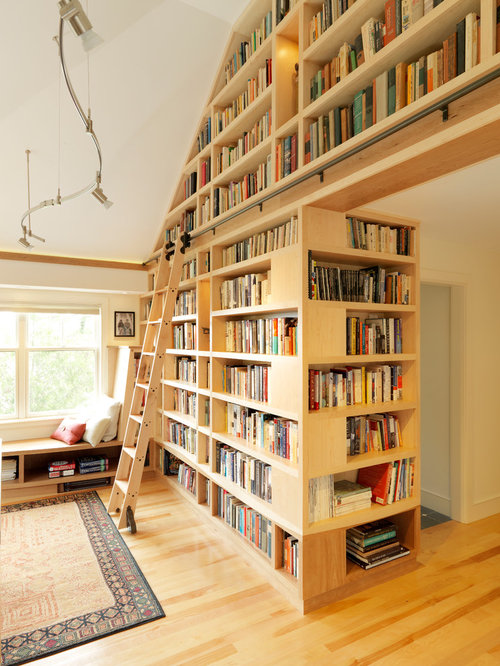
[{"x": 140, "y": 420}]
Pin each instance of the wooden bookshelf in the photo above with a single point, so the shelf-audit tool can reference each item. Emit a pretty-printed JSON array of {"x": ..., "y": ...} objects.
[{"x": 320, "y": 207}]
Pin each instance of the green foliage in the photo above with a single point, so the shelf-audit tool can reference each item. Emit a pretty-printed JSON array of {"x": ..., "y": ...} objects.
[
  {"x": 62, "y": 330},
  {"x": 60, "y": 380},
  {"x": 8, "y": 329},
  {"x": 7, "y": 384}
]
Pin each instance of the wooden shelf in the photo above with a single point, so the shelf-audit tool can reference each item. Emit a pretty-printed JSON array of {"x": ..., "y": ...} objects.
[{"x": 255, "y": 404}]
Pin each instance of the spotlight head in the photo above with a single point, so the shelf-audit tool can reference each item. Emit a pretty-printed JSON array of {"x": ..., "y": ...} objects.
[
  {"x": 72, "y": 12},
  {"x": 101, "y": 197},
  {"x": 25, "y": 243}
]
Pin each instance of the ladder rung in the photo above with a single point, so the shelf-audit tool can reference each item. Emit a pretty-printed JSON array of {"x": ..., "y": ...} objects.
[
  {"x": 155, "y": 322},
  {"x": 130, "y": 451},
  {"x": 145, "y": 353},
  {"x": 122, "y": 485},
  {"x": 142, "y": 386},
  {"x": 136, "y": 417}
]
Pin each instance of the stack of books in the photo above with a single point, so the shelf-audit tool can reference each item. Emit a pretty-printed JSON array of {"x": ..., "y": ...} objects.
[
  {"x": 9, "y": 469},
  {"x": 373, "y": 544},
  {"x": 90, "y": 464},
  {"x": 349, "y": 496},
  {"x": 61, "y": 468}
]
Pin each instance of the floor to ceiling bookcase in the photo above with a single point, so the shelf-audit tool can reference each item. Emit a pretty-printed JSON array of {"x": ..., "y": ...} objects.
[{"x": 254, "y": 137}]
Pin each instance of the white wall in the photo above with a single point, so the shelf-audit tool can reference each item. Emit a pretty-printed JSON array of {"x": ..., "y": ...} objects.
[
  {"x": 70, "y": 285},
  {"x": 448, "y": 261},
  {"x": 435, "y": 397}
]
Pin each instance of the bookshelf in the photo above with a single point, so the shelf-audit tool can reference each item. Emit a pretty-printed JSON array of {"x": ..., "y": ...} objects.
[{"x": 305, "y": 560}]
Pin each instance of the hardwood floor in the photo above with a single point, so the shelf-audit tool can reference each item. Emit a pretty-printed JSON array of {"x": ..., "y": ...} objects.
[{"x": 220, "y": 611}]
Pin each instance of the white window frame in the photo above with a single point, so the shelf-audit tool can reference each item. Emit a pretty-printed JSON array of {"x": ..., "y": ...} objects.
[{"x": 22, "y": 351}]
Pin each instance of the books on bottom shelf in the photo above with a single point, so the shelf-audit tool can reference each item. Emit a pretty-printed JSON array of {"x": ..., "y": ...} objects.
[
  {"x": 291, "y": 554},
  {"x": 9, "y": 469},
  {"x": 252, "y": 525},
  {"x": 373, "y": 544}
]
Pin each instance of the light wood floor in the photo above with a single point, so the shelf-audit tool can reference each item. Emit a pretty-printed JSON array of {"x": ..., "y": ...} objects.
[{"x": 219, "y": 611}]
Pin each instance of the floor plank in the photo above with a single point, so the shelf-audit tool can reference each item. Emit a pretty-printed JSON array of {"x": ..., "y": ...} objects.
[{"x": 220, "y": 611}]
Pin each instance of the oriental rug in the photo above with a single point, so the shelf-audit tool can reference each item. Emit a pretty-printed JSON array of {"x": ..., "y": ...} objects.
[{"x": 66, "y": 578}]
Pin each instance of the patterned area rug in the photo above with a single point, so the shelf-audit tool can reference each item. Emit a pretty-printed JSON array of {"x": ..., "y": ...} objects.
[{"x": 67, "y": 578}]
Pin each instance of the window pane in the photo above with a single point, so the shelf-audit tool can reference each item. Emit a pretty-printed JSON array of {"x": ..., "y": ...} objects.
[
  {"x": 8, "y": 329},
  {"x": 62, "y": 330},
  {"x": 60, "y": 380},
  {"x": 7, "y": 384}
]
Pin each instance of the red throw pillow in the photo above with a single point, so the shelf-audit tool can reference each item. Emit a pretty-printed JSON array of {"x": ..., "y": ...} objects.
[{"x": 69, "y": 431}]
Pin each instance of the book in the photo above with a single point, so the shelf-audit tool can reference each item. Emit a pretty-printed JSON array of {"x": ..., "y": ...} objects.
[
  {"x": 348, "y": 492},
  {"x": 60, "y": 465},
  {"x": 381, "y": 96},
  {"x": 401, "y": 551},
  {"x": 461, "y": 47},
  {"x": 378, "y": 477}
]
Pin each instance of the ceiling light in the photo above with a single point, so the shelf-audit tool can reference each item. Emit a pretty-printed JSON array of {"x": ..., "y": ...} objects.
[
  {"x": 101, "y": 197},
  {"x": 72, "y": 12}
]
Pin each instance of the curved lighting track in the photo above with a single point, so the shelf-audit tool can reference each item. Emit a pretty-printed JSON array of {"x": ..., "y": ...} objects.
[{"x": 94, "y": 185}]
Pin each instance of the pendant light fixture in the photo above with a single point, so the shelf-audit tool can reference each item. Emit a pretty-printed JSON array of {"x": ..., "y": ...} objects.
[{"x": 71, "y": 12}]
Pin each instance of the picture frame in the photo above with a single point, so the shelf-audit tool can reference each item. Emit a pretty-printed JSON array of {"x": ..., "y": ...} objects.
[{"x": 124, "y": 324}]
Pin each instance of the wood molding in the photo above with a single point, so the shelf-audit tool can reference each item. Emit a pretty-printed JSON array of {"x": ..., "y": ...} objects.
[{"x": 71, "y": 261}]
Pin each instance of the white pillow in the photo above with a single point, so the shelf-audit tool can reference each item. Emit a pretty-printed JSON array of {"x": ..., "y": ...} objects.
[
  {"x": 96, "y": 427},
  {"x": 107, "y": 406}
]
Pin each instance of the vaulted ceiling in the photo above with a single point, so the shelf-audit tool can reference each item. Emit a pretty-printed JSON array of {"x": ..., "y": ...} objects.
[{"x": 149, "y": 80}]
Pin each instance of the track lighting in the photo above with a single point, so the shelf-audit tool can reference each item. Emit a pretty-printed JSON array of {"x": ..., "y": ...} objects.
[
  {"x": 72, "y": 12},
  {"x": 101, "y": 197}
]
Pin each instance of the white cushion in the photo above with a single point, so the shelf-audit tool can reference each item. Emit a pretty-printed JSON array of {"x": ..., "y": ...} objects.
[
  {"x": 107, "y": 406},
  {"x": 96, "y": 427}
]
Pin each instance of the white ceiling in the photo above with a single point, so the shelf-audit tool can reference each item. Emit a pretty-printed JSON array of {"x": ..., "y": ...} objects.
[{"x": 149, "y": 80}]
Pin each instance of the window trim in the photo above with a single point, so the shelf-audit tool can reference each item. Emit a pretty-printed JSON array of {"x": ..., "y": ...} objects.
[{"x": 22, "y": 351}]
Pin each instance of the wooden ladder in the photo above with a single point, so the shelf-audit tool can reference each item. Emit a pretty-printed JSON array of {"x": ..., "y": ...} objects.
[{"x": 140, "y": 420}]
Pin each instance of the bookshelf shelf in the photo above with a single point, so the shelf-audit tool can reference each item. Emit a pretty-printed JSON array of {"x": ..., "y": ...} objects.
[
  {"x": 359, "y": 410},
  {"x": 254, "y": 404},
  {"x": 289, "y": 309},
  {"x": 254, "y": 111}
]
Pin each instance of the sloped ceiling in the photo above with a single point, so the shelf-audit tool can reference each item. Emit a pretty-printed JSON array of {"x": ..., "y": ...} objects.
[{"x": 149, "y": 81}]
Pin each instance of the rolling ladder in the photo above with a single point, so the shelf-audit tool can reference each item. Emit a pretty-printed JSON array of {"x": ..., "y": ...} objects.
[{"x": 140, "y": 421}]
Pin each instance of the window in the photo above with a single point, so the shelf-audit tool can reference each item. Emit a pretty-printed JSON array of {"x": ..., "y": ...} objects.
[{"x": 49, "y": 361}]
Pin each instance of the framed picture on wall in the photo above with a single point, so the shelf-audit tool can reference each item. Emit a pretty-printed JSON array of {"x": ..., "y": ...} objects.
[{"x": 124, "y": 324}]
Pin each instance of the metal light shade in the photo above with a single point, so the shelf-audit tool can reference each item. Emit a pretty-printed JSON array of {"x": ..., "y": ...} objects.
[
  {"x": 102, "y": 198},
  {"x": 72, "y": 12}
]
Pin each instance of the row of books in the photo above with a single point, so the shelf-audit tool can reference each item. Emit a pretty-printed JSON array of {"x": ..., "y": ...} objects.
[
  {"x": 263, "y": 431},
  {"x": 229, "y": 155},
  {"x": 185, "y": 369},
  {"x": 283, "y": 7},
  {"x": 340, "y": 387},
  {"x": 247, "y": 48},
  {"x": 226, "y": 197},
  {"x": 363, "y": 285},
  {"x": 394, "y": 89},
  {"x": 275, "y": 238},
  {"x": 205, "y": 135},
  {"x": 377, "y": 432},
  {"x": 205, "y": 210},
  {"x": 189, "y": 268},
  {"x": 374, "y": 237},
  {"x": 286, "y": 156},
  {"x": 378, "y": 335},
  {"x": 251, "y": 474},
  {"x": 190, "y": 185},
  {"x": 181, "y": 435},
  {"x": 184, "y": 336},
  {"x": 373, "y": 544},
  {"x": 9, "y": 469},
  {"x": 246, "y": 381},
  {"x": 205, "y": 171},
  {"x": 291, "y": 554},
  {"x": 84, "y": 464},
  {"x": 185, "y": 402},
  {"x": 255, "y": 87},
  {"x": 169, "y": 464},
  {"x": 186, "y": 476},
  {"x": 245, "y": 291},
  {"x": 330, "y": 11},
  {"x": 252, "y": 525},
  {"x": 189, "y": 221},
  {"x": 275, "y": 336},
  {"x": 185, "y": 303},
  {"x": 390, "y": 482}
]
